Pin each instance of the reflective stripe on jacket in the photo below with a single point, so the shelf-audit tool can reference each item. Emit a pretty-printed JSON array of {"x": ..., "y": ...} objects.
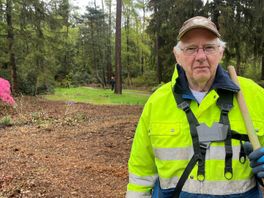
[{"x": 162, "y": 145}]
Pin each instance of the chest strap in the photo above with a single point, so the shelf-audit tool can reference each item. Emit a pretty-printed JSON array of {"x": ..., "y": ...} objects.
[{"x": 225, "y": 103}]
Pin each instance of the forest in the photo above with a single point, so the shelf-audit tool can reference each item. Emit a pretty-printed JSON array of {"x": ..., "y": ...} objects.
[{"x": 49, "y": 43}]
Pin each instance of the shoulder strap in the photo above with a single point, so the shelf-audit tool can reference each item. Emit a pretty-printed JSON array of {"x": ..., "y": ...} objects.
[
  {"x": 225, "y": 103},
  {"x": 185, "y": 106},
  {"x": 199, "y": 149}
]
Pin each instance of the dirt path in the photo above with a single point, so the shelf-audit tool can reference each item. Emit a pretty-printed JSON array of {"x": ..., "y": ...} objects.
[{"x": 57, "y": 149}]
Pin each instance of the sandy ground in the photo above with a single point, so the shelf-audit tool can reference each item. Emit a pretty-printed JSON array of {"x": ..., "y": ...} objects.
[{"x": 58, "y": 149}]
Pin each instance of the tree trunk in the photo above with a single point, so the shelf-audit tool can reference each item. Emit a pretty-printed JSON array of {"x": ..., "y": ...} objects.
[
  {"x": 95, "y": 56},
  {"x": 109, "y": 47},
  {"x": 66, "y": 55},
  {"x": 157, "y": 45},
  {"x": 39, "y": 59},
  {"x": 262, "y": 56},
  {"x": 227, "y": 58},
  {"x": 238, "y": 57},
  {"x": 262, "y": 67},
  {"x": 142, "y": 58},
  {"x": 118, "y": 87},
  {"x": 103, "y": 51},
  {"x": 11, "y": 40},
  {"x": 239, "y": 40},
  {"x": 128, "y": 50},
  {"x": 158, "y": 62},
  {"x": 216, "y": 13}
]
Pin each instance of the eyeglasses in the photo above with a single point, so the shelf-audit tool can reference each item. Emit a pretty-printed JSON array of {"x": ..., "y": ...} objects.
[{"x": 193, "y": 50}]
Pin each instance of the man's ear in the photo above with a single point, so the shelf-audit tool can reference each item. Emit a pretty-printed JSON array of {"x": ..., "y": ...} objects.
[
  {"x": 222, "y": 52},
  {"x": 176, "y": 55}
]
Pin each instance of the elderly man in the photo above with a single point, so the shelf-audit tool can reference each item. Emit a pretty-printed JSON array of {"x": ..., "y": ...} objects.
[{"x": 190, "y": 136}]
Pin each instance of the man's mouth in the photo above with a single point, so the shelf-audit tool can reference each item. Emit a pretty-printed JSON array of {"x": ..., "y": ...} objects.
[{"x": 201, "y": 67}]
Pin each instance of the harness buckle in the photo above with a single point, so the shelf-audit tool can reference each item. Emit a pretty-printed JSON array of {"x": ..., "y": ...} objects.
[
  {"x": 184, "y": 106},
  {"x": 205, "y": 145},
  {"x": 226, "y": 108}
]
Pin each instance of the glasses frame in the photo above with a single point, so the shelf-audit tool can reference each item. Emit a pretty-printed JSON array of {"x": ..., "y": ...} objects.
[{"x": 196, "y": 49}]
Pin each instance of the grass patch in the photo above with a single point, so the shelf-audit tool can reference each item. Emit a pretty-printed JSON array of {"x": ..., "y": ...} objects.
[
  {"x": 99, "y": 96},
  {"x": 6, "y": 121}
]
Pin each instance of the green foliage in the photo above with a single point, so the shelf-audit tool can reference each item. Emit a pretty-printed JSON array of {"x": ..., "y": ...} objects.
[
  {"x": 6, "y": 121},
  {"x": 149, "y": 79},
  {"x": 38, "y": 36},
  {"x": 99, "y": 96},
  {"x": 240, "y": 23},
  {"x": 165, "y": 24},
  {"x": 56, "y": 46},
  {"x": 52, "y": 46}
]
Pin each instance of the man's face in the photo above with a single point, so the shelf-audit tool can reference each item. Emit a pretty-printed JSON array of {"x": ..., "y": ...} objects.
[{"x": 200, "y": 66}]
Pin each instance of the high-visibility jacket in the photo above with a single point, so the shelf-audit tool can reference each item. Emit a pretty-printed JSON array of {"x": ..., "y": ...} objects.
[{"x": 162, "y": 145}]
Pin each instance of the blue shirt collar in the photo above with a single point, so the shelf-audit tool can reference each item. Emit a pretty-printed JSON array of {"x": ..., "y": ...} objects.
[{"x": 221, "y": 81}]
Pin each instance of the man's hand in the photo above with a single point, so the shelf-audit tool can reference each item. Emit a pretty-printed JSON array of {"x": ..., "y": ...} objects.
[{"x": 256, "y": 159}]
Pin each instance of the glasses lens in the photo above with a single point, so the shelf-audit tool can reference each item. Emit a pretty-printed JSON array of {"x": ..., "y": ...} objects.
[
  {"x": 210, "y": 49},
  {"x": 190, "y": 50}
]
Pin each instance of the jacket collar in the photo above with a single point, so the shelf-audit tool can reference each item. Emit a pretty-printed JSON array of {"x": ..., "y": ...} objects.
[{"x": 221, "y": 81}]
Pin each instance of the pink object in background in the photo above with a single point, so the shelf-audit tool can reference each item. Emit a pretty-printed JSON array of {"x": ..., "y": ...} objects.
[{"x": 5, "y": 93}]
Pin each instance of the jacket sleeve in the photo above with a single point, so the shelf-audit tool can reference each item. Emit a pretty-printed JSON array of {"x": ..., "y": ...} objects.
[
  {"x": 141, "y": 165},
  {"x": 258, "y": 110}
]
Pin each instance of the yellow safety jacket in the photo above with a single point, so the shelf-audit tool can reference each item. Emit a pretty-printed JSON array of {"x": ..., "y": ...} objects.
[{"x": 162, "y": 145}]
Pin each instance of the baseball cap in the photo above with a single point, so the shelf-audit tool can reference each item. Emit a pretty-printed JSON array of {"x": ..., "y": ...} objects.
[{"x": 198, "y": 22}]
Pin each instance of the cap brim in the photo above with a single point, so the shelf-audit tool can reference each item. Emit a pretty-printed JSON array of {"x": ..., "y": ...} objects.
[{"x": 195, "y": 27}]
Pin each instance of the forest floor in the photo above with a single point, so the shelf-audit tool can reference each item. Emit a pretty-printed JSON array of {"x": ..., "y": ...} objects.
[{"x": 66, "y": 149}]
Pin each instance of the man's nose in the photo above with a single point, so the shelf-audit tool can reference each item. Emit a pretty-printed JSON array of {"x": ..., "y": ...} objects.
[{"x": 200, "y": 56}]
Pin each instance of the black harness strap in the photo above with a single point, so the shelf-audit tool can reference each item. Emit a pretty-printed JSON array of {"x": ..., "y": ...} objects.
[
  {"x": 225, "y": 102},
  {"x": 185, "y": 175},
  {"x": 240, "y": 137},
  {"x": 193, "y": 123},
  {"x": 185, "y": 106},
  {"x": 199, "y": 150}
]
